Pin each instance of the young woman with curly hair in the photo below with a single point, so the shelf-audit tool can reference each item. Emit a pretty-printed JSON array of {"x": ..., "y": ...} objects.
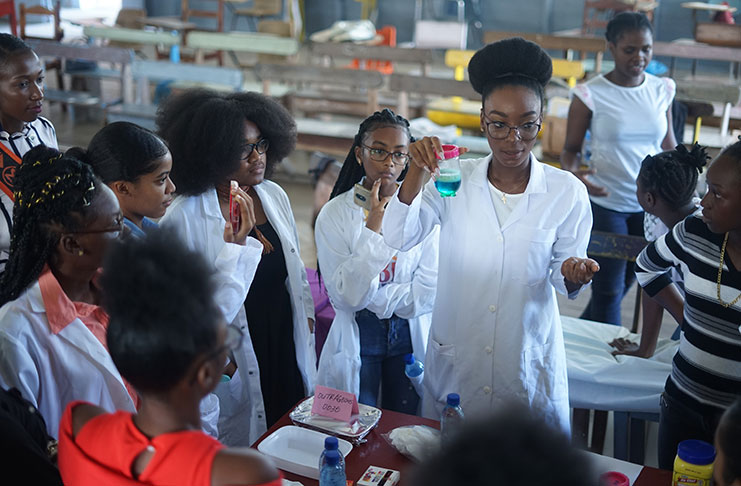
[{"x": 215, "y": 139}]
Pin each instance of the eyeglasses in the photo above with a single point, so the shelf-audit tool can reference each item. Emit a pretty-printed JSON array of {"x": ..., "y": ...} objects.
[
  {"x": 116, "y": 230},
  {"x": 380, "y": 155},
  {"x": 500, "y": 130},
  {"x": 261, "y": 146}
]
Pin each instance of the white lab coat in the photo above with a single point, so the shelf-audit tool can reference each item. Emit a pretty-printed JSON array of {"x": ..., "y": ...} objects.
[
  {"x": 198, "y": 220},
  {"x": 351, "y": 258},
  {"x": 496, "y": 333},
  {"x": 52, "y": 370}
]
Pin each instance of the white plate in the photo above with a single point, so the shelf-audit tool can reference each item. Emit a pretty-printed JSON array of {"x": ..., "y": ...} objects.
[{"x": 297, "y": 450}]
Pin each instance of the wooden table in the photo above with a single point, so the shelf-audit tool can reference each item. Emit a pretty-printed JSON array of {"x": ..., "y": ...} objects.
[
  {"x": 377, "y": 452},
  {"x": 167, "y": 23}
]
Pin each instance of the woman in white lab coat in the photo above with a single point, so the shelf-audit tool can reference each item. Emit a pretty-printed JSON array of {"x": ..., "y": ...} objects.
[
  {"x": 215, "y": 139},
  {"x": 52, "y": 328},
  {"x": 383, "y": 297},
  {"x": 516, "y": 231}
]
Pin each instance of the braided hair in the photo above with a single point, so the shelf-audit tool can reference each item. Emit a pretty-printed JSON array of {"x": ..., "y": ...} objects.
[
  {"x": 121, "y": 151},
  {"x": 514, "y": 61},
  {"x": 11, "y": 45},
  {"x": 626, "y": 22},
  {"x": 672, "y": 175},
  {"x": 352, "y": 172},
  {"x": 50, "y": 189}
]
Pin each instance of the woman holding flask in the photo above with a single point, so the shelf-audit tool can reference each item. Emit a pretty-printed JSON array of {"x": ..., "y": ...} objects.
[{"x": 515, "y": 231}]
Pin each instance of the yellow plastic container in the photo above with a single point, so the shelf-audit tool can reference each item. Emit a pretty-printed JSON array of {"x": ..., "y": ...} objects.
[{"x": 693, "y": 464}]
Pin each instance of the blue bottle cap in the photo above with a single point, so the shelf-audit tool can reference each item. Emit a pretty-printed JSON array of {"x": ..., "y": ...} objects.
[
  {"x": 696, "y": 452},
  {"x": 331, "y": 444},
  {"x": 454, "y": 399},
  {"x": 332, "y": 457},
  {"x": 409, "y": 358}
]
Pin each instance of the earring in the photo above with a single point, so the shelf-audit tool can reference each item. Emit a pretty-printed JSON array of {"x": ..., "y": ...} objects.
[{"x": 80, "y": 253}]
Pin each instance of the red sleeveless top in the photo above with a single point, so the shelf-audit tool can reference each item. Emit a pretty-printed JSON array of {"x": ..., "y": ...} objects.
[{"x": 105, "y": 449}]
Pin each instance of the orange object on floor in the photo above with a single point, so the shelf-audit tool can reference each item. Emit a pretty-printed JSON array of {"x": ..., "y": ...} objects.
[
  {"x": 388, "y": 32},
  {"x": 7, "y": 7}
]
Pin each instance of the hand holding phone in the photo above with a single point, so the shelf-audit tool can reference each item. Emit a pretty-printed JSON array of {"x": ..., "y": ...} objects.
[
  {"x": 234, "y": 218},
  {"x": 362, "y": 197}
]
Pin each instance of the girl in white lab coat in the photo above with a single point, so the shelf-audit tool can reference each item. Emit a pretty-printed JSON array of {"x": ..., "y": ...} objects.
[
  {"x": 516, "y": 231},
  {"x": 135, "y": 163},
  {"x": 383, "y": 297},
  {"x": 52, "y": 330},
  {"x": 215, "y": 139}
]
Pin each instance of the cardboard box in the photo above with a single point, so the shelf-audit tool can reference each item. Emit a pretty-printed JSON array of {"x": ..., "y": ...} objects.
[
  {"x": 378, "y": 476},
  {"x": 554, "y": 135}
]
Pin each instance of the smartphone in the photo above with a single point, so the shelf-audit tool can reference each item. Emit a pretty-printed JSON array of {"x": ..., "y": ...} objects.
[
  {"x": 234, "y": 218},
  {"x": 362, "y": 197}
]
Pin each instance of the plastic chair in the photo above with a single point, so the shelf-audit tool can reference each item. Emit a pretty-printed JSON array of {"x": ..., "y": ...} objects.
[
  {"x": 7, "y": 7},
  {"x": 388, "y": 33}
]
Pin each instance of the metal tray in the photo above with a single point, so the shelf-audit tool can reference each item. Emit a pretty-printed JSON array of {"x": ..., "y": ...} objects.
[{"x": 355, "y": 431}]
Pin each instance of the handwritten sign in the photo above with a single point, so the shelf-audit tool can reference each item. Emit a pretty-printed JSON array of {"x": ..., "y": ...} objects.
[{"x": 335, "y": 404}]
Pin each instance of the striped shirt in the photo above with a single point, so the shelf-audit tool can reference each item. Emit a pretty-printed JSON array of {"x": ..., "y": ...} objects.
[
  {"x": 40, "y": 131},
  {"x": 706, "y": 371}
]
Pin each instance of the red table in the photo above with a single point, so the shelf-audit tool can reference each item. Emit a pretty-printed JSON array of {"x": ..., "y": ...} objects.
[{"x": 377, "y": 452}]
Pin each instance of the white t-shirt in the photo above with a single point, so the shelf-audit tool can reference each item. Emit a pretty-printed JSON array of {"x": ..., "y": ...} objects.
[
  {"x": 504, "y": 203},
  {"x": 39, "y": 131},
  {"x": 627, "y": 125}
]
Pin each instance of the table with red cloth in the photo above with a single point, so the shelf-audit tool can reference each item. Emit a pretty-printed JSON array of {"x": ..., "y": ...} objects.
[{"x": 378, "y": 452}]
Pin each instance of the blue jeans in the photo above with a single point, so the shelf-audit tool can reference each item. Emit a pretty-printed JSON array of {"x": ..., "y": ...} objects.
[
  {"x": 383, "y": 344},
  {"x": 615, "y": 277},
  {"x": 678, "y": 422}
]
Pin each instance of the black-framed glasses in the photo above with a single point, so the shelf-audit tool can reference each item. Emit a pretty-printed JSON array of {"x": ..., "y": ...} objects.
[
  {"x": 261, "y": 146},
  {"x": 380, "y": 155},
  {"x": 117, "y": 230},
  {"x": 500, "y": 130}
]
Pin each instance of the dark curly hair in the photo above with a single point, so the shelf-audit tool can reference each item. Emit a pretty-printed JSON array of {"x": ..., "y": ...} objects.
[
  {"x": 205, "y": 132},
  {"x": 626, "y": 22},
  {"x": 159, "y": 296},
  {"x": 734, "y": 152},
  {"x": 512, "y": 447},
  {"x": 672, "y": 175},
  {"x": 50, "y": 189},
  {"x": 11, "y": 45},
  {"x": 121, "y": 151},
  {"x": 513, "y": 61},
  {"x": 352, "y": 172}
]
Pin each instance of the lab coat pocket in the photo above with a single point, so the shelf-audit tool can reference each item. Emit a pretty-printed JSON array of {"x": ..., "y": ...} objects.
[
  {"x": 440, "y": 370},
  {"x": 546, "y": 386},
  {"x": 536, "y": 250}
]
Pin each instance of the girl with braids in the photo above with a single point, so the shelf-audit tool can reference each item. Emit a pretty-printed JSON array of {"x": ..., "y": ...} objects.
[
  {"x": 666, "y": 189},
  {"x": 628, "y": 113},
  {"x": 515, "y": 233},
  {"x": 216, "y": 139},
  {"x": 21, "y": 127},
  {"x": 383, "y": 297},
  {"x": 706, "y": 252},
  {"x": 135, "y": 163},
  {"x": 52, "y": 328}
]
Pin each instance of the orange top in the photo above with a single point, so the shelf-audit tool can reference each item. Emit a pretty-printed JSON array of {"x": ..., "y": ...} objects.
[{"x": 107, "y": 445}]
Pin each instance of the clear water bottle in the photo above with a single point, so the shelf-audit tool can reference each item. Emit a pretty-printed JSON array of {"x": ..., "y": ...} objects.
[
  {"x": 332, "y": 472},
  {"x": 452, "y": 418},
  {"x": 330, "y": 444},
  {"x": 415, "y": 371}
]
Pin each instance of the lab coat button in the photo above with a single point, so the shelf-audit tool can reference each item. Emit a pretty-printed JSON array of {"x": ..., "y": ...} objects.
[
  {"x": 492, "y": 308},
  {"x": 488, "y": 350},
  {"x": 487, "y": 389},
  {"x": 293, "y": 250},
  {"x": 500, "y": 239}
]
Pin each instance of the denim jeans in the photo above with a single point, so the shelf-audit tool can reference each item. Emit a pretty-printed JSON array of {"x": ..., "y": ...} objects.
[
  {"x": 678, "y": 422},
  {"x": 383, "y": 344},
  {"x": 615, "y": 277}
]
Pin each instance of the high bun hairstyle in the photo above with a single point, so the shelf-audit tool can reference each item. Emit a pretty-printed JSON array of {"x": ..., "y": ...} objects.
[
  {"x": 51, "y": 190},
  {"x": 626, "y": 22},
  {"x": 672, "y": 175},
  {"x": 11, "y": 45},
  {"x": 514, "y": 61},
  {"x": 121, "y": 151},
  {"x": 352, "y": 172}
]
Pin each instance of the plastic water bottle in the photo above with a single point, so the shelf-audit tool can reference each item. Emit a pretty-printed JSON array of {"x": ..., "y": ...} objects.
[
  {"x": 415, "y": 371},
  {"x": 452, "y": 418},
  {"x": 332, "y": 472},
  {"x": 330, "y": 444}
]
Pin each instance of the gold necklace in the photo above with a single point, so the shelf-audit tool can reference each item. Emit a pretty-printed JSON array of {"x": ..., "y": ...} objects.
[{"x": 720, "y": 273}]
